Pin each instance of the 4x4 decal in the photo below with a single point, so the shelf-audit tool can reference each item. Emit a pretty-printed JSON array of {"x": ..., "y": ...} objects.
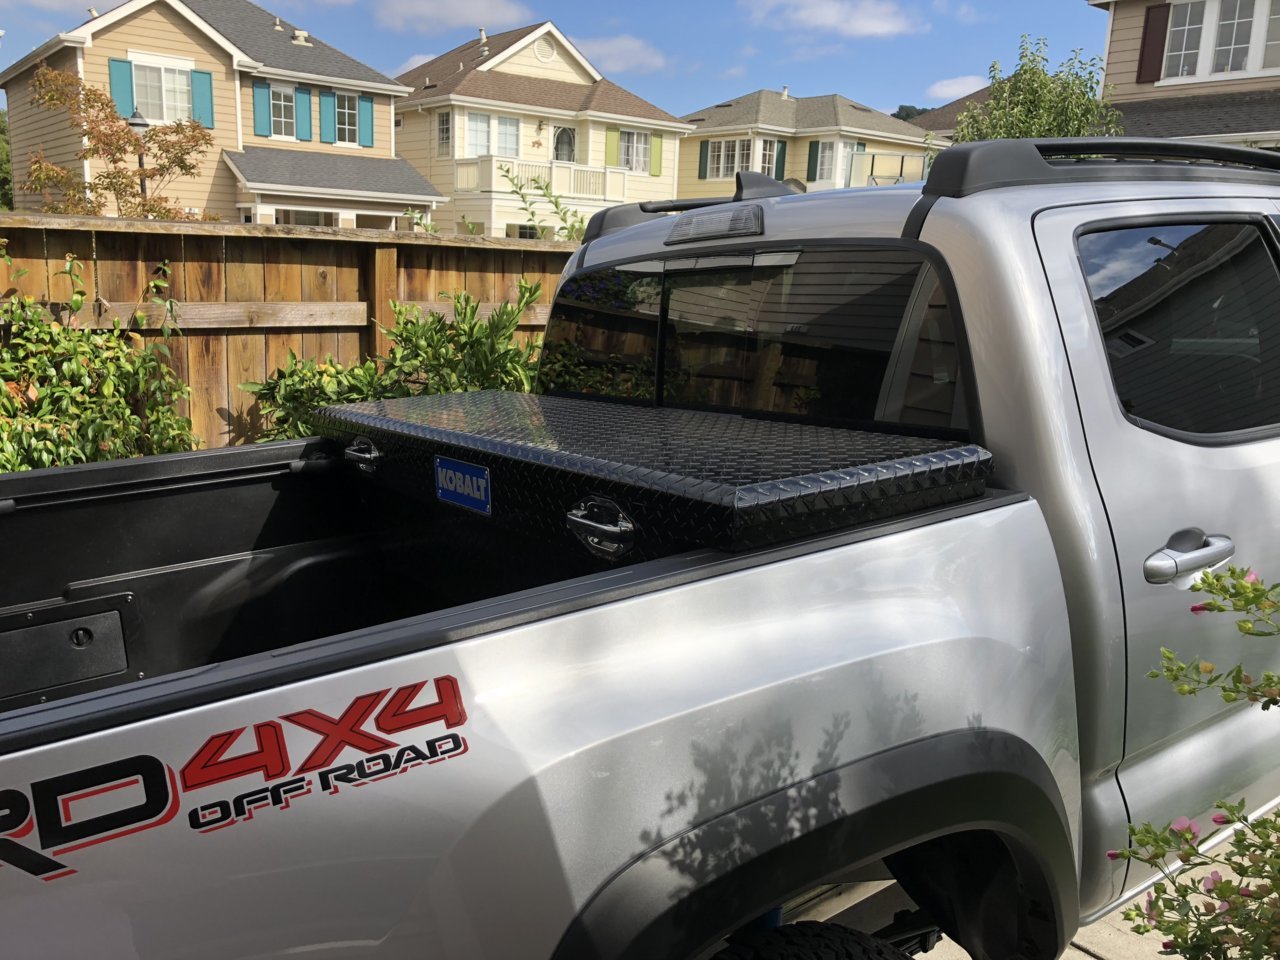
[{"x": 60, "y": 815}]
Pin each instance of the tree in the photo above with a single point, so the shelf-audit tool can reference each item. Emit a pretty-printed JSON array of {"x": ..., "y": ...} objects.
[
  {"x": 907, "y": 112},
  {"x": 172, "y": 151},
  {"x": 6, "y": 164},
  {"x": 1032, "y": 102}
]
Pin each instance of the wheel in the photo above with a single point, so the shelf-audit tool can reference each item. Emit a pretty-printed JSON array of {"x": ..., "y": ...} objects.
[{"x": 808, "y": 940}]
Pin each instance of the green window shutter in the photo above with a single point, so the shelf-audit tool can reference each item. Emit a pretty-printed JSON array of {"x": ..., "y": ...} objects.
[
  {"x": 780, "y": 161},
  {"x": 612, "y": 146},
  {"x": 703, "y": 149},
  {"x": 364, "y": 121},
  {"x": 202, "y": 98},
  {"x": 121, "y": 74},
  {"x": 302, "y": 113},
  {"x": 328, "y": 116},
  {"x": 655, "y": 155},
  {"x": 261, "y": 108},
  {"x": 812, "y": 174}
]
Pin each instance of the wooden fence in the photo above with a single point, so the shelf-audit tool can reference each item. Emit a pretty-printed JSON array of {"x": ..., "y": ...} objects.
[{"x": 248, "y": 294}]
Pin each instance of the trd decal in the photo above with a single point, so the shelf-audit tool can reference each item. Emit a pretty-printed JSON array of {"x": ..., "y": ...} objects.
[{"x": 63, "y": 814}]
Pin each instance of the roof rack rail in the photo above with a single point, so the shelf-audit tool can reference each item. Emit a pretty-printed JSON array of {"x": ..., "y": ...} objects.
[
  {"x": 968, "y": 168},
  {"x": 751, "y": 186}
]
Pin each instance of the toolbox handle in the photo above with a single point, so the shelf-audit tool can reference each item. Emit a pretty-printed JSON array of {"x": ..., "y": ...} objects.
[{"x": 602, "y": 526}]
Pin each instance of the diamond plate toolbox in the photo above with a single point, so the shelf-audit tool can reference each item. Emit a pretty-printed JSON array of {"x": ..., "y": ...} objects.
[{"x": 644, "y": 481}]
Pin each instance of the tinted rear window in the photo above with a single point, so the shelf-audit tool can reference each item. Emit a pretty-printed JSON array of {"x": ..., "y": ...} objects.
[{"x": 829, "y": 335}]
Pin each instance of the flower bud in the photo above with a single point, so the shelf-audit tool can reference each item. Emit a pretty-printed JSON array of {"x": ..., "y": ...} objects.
[{"x": 1221, "y": 819}]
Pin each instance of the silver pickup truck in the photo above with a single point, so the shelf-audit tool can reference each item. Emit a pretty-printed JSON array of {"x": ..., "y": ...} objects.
[{"x": 255, "y": 704}]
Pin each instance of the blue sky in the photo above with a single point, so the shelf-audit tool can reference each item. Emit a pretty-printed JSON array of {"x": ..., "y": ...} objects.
[{"x": 683, "y": 55}]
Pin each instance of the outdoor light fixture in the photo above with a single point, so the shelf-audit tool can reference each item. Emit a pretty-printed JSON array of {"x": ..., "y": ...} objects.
[{"x": 138, "y": 124}]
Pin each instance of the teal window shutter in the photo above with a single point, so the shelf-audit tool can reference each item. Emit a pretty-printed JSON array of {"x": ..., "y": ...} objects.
[
  {"x": 812, "y": 174},
  {"x": 302, "y": 113},
  {"x": 703, "y": 149},
  {"x": 780, "y": 161},
  {"x": 202, "y": 98},
  {"x": 328, "y": 116},
  {"x": 364, "y": 121},
  {"x": 121, "y": 75},
  {"x": 262, "y": 108}
]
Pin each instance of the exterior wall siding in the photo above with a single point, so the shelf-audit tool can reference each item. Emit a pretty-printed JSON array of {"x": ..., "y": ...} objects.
[
  {"x": 381, "y": 122},
  {"x": 525, "y": 63},
  {"x": 158, "y": 29},
  {"x": 32, "y": 129},
  {"x": 1122, "y": 64}
]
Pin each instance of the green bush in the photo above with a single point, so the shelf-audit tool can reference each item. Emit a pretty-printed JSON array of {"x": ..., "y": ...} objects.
[
  {"x": 74, "y": 395},
  {"x": 428, "y": 354}
]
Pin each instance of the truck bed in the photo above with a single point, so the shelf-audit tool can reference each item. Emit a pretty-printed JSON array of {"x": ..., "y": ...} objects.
[{"x": 139, "y": 569}]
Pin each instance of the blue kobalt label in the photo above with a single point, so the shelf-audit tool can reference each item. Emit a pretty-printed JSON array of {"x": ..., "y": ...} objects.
[{"x": 463, "y": 485}]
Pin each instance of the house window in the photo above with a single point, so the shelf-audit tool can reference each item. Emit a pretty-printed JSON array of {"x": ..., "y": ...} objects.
[
  {"x": 826, "y": 160},
  {"x": 1186, "y": 21},
  {"x": 633, "y": 151},
  {"x": 727, "y": 157},
  {"x": 508, "y": 137},
  {"x": 444, "y": 133},
  {"x": 566, "y": 144},
  {"x": 477, "y": 134},
  {"x": 1235, "y": 25},
  {"x": 161, "y": 93},
  {"x": 282, "y": 117},
  {"x": 348, "y": 125},
  {"x": 1271, "y": 56},
  {"x": 768, "y": 156}
]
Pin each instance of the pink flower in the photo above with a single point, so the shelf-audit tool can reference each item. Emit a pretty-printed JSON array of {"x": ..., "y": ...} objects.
[
  {"x": 1150, "y": 910},
  {"x": 1250, "y": 577},
  {"x": 1184, "y": 825},
  {"x": 1246, "y": 892},
  {"x": 1223, "y": 906},
  {"x": 1167, "y": 945},
  {"x": 1211, "y": 881},
  {"x": 1113, "y": 854},
  {"x": 1199, "y": 608},
  {"x": 1221, "y": 819}
]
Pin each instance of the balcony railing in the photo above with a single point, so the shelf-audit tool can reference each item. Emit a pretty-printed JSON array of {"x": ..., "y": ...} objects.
[{"x": 568, "y": 180}]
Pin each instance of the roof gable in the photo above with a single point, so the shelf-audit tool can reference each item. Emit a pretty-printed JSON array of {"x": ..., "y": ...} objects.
[
  {"x": 799, "y": 115},
  {"x": 531, "y": 38}
]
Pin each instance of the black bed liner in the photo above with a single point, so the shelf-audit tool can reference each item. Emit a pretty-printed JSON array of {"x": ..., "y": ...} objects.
[{"x": 680, "y": 476}]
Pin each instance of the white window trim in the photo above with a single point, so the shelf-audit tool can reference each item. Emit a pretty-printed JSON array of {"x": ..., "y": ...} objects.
[
  {"x": 489, "y": 124},
  {"x": 445, "y": 149},
  {"x": 352, "y": 145},
  {"x": 1209, "y": 42},
  {"x": 648, "y": 153},
  {"x": 495, "y": 126},
  {"x": 831, "y": 173},
  {"x": 293, "y": 92},
  {"x": 143, "y": 58},
  {"x": 753, "y": 151}
]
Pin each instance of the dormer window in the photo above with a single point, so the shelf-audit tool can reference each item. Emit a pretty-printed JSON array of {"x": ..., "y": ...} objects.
[
  {"x": 283, "y": 119},
  {"x": 348, "y": 124},
  {"x": 1210, "y": 39}
]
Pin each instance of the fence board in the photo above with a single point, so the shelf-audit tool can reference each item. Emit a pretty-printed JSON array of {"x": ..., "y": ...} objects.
[
  {"x": 244, "y": 271},
  {"x": 246, "y": 362},
  {"x": 205, "y": 278},
  {"x": 282, "y": 270},
  {"x": 207, "y": 357},
  {"x": 278, "y": 347},
  {"x": 349, "y": 351},
  {"x": 234, "y": 316},
  {"x": 26, "y": 247},
  {"x": 59, "y": 243}
]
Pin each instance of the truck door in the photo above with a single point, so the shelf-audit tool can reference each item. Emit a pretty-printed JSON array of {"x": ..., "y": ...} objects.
[{"x": 1170, "y": 312}]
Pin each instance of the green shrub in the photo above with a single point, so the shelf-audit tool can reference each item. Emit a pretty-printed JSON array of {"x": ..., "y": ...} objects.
[
  {"x": 74, "y": 395},
  {"x": 428, "y": 354}
]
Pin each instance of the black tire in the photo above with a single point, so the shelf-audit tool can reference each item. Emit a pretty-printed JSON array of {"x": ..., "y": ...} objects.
[{"x": 808, "y": 940}]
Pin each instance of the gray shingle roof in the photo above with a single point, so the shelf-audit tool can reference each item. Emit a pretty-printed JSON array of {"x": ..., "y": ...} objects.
[
  {"x": 768, "y": 108},
  {"x": 455, "y": 73},
  {"x": 1254, "y": 111},
  {"x": 945, "y": 116},
  {"x": 252, "y": 29},
  {"x": 354, "y": 174}
]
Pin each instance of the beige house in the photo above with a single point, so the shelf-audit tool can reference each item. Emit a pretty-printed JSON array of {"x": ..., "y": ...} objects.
[
  {"x": 1196, "y": 69},
  {"x": 303, "y": 134},
  {"x": 819, "y": 142},
  {"x": 529, "y": 102}
]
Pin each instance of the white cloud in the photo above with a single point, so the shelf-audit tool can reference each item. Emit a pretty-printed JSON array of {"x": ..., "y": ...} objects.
[
  {"x": 621, "y": 54},
  {"x": 734, "y": 72},
  {"x": 747, "y": 52},
  {"x": 847, "y": 18},
  {"x": 955, "y": 88},
  {"x": 415, "y": 60},
  {"x": 437, "y": 16},
  {"x": 965, "y": 13}
]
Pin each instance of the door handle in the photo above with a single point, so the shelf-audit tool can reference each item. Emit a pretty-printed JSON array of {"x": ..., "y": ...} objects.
[{"x": 1187, "y": 552}]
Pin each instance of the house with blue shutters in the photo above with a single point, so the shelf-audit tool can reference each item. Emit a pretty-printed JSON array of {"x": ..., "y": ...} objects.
[{"x": 303, "y": 134}]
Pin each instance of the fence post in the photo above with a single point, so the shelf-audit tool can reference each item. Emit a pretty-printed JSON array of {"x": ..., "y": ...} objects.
[{"x": 384, "y": 286}]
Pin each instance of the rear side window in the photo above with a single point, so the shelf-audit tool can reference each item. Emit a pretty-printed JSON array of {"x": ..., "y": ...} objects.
[
  {"x": 828, "y": 335},
  {"x": 1190, "y": 315}
]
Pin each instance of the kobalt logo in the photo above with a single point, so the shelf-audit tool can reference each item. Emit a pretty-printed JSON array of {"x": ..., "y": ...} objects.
[
  {"x": 463, "y": 484},
  {"x": 66, "y": 813}
]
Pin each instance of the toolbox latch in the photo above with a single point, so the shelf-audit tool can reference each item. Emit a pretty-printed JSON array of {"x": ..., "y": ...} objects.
[
  {"x": 363, "y": 454},
  {"x": 602, "y": 526}
]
